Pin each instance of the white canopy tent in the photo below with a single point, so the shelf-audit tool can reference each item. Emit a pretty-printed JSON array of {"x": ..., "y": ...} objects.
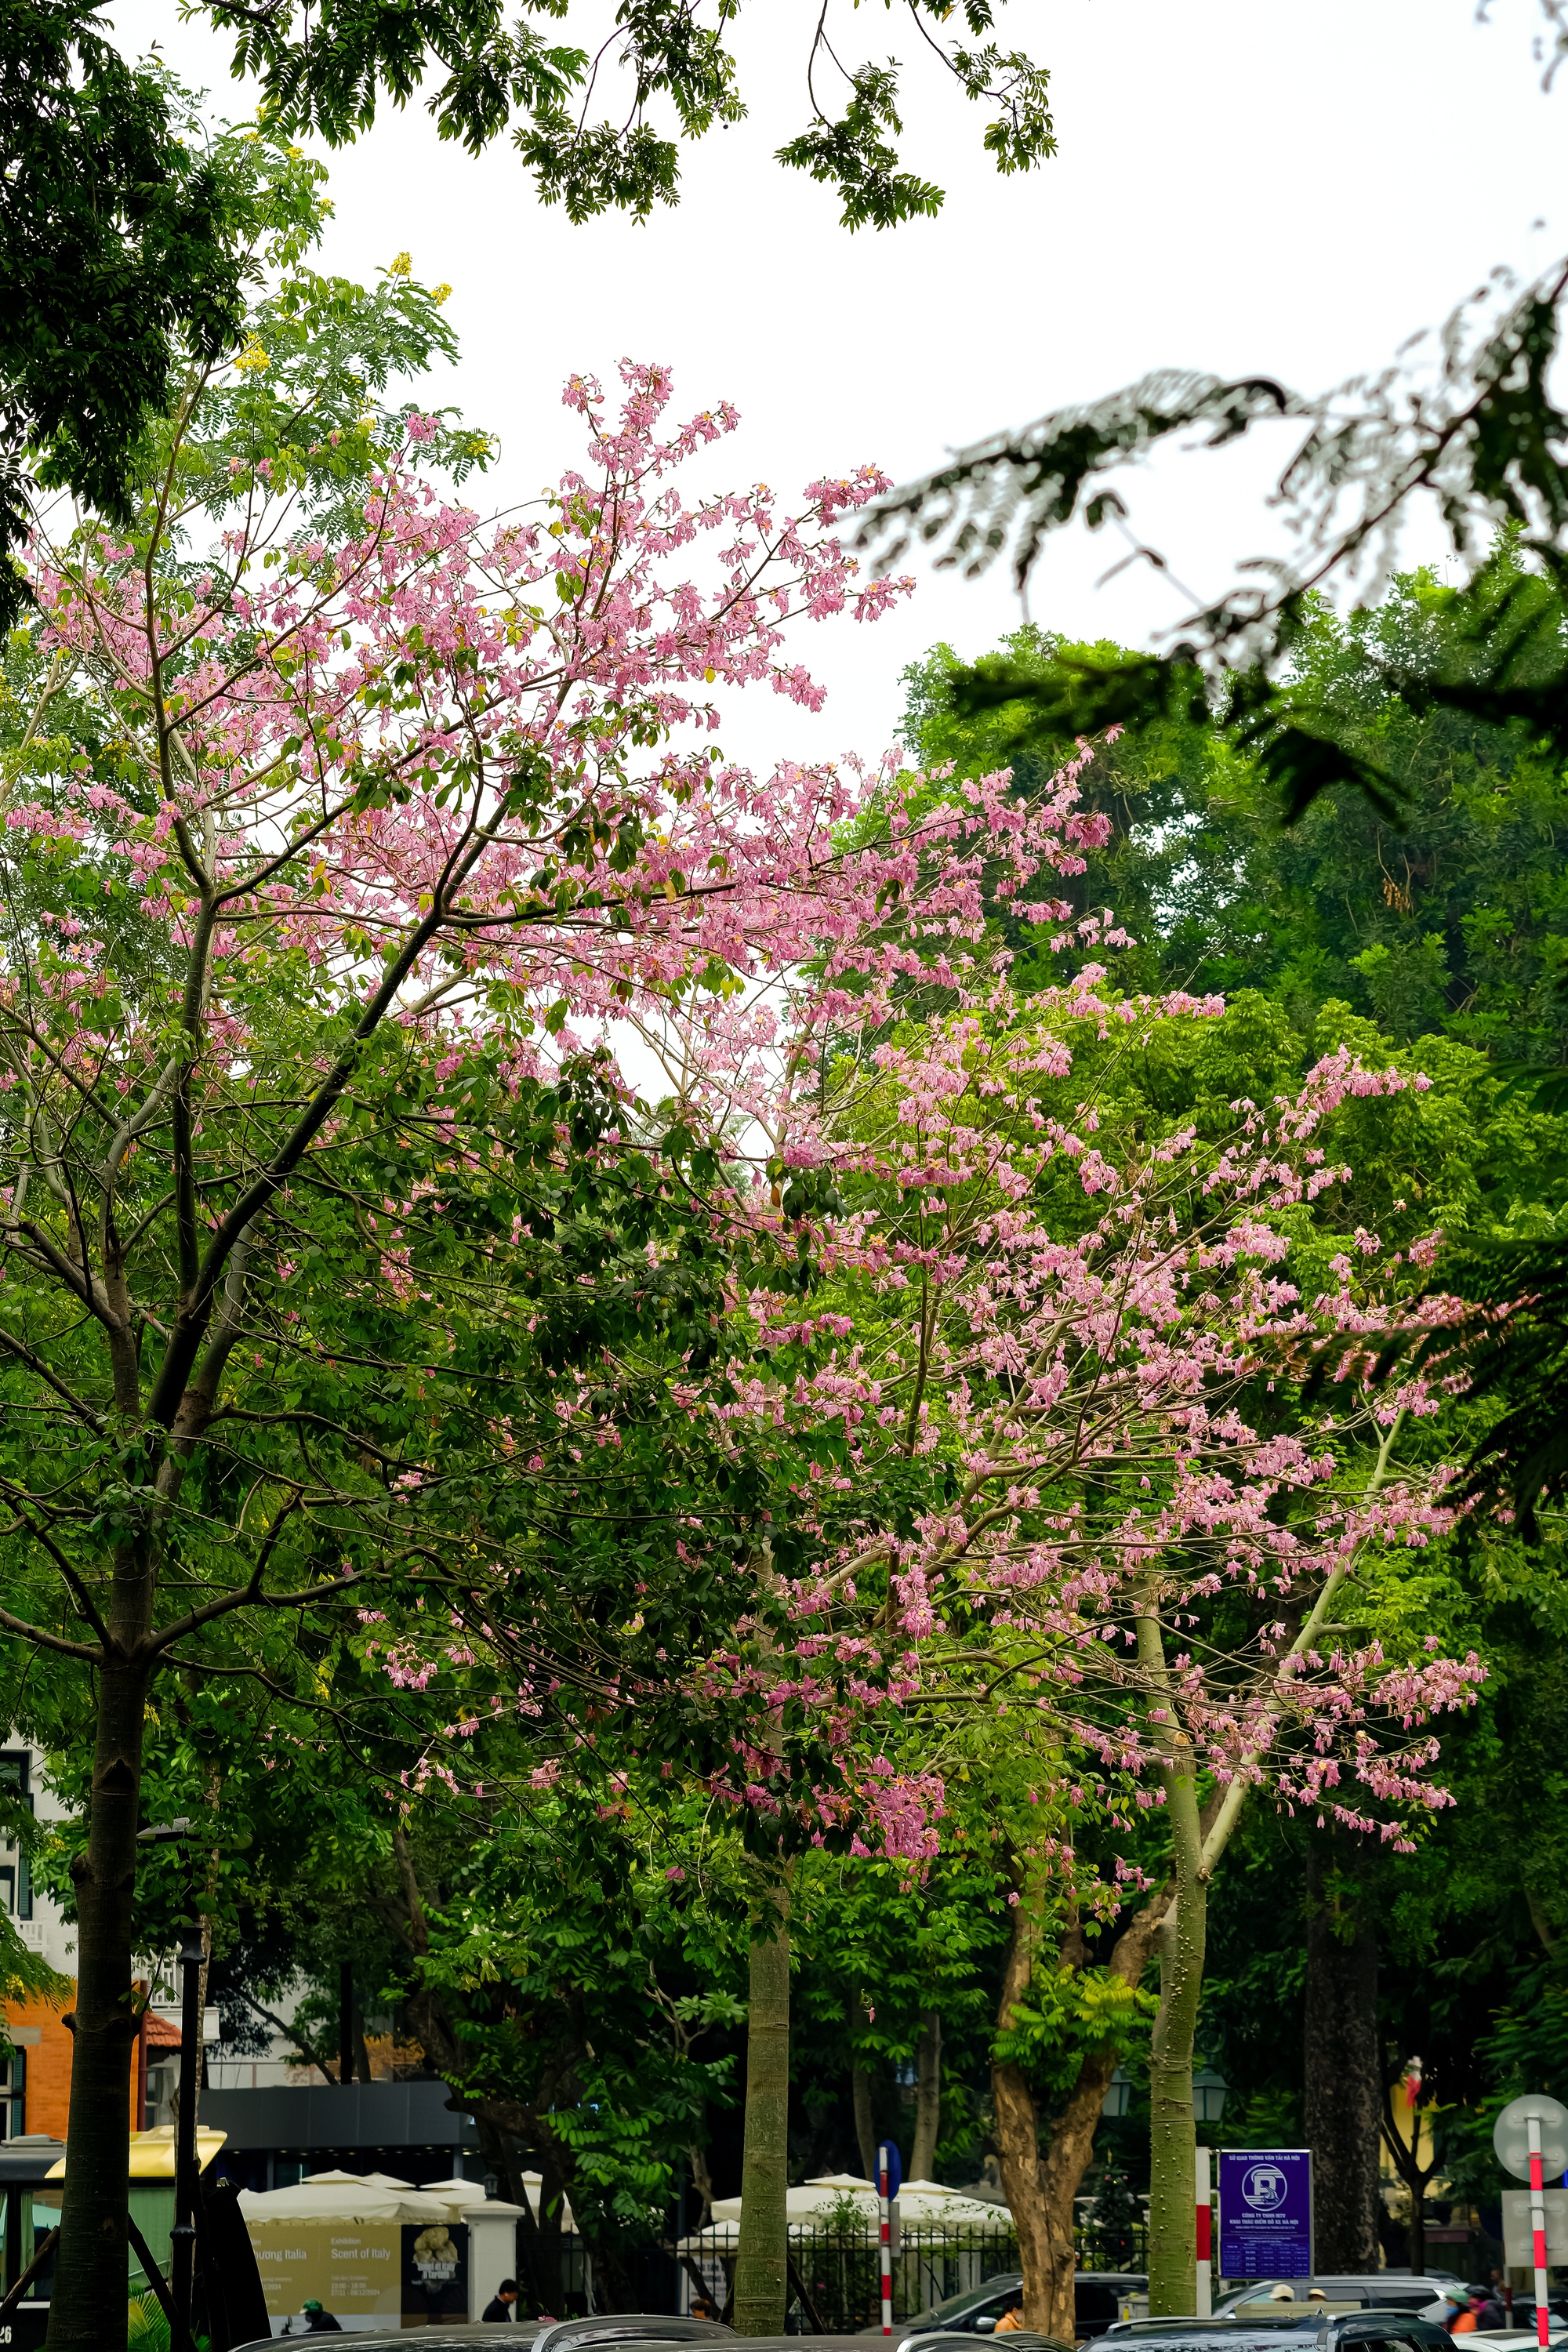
[
  {"x": 342, "y": 2197},
  {"x": 380, "y": 2200},
  {"x": 923, "y": 2205}
]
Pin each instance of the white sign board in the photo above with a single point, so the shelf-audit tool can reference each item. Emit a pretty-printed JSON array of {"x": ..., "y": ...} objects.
[{"x": 1519, "y": 2243}]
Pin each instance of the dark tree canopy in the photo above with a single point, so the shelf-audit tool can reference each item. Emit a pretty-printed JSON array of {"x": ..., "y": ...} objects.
[
  {"x": 601, "y": 126},
  {"x": 120, "y": 239},
  {"x": 116, "y": 243}
]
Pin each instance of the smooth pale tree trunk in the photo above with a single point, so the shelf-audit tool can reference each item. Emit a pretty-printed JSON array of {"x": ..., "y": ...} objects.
[
  {"x": 1172, "y": 2135},
  {"x": 761, "y": 2262},
  {"x": 1173, "y": 2138},
  {"x": 860, "y": 2100},
  {"x": 1197, "y": 1841},
  {"x": 1343, "y": 2066},
  {"x": 927, "y": 2095}
]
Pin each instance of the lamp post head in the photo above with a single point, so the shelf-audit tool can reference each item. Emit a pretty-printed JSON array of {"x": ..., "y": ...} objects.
[
  {"x": 1210, "y": 2091},
  {"x": 1118, "y": 2094}
]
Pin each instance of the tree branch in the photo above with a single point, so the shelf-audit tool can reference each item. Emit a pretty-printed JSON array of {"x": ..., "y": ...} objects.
[
  {"x": 84, "y": 1413},
  {"x": 1229, "y": 1814}
]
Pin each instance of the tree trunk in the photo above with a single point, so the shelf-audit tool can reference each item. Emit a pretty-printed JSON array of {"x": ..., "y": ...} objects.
[
  {"x": 1173, "y": 2140},
  {"x": 1418, "y": 2234},
  {"x": 761, "y": 2280},
  {"x": 860, "y": 2099},
  {"x": 1343, "y": 2069},
  {"x": 543, "y": 2237},
  {"x": 1044, "y": 2255},
  {"x": 1173, "y": 2137},
  {"x": 1043, "y": 2189},
  {"x": 90, "y": 2274},
  {"x": 504, "y": 2125},
  {"x": 538, "y": 2245},
  {"x": 927, "y": 2095}
]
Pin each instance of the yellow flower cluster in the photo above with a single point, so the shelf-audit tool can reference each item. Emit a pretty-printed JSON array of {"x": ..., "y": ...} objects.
[
  {"x": 439, "y": 293},
  {"x": 252, "y": 359},
  {"x": 400, "y": 265}
]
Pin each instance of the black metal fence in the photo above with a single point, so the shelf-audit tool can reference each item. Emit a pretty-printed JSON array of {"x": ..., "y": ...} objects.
[
  {"x": 834, "y": 2272},
  {"x": 835, "y": 2279}
]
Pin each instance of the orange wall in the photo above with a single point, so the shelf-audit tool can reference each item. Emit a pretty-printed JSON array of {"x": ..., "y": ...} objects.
[{"x": 49, "y": 2067}]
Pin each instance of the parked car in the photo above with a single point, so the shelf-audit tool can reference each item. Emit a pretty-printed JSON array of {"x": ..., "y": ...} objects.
[
  {"x": 1389, "y": 2329},
  {"x": 1370, "y": 2289},
  {"x": 462, "y": 2336},
  {"x": 1524, "y": 2312},
  {"x": 1020, "y": 2339},
  {"x": 1100, "y": 2298},
  {"x": 457, "y": 2337},
  {"x": 628, "y": 2327},
  {"x": 648, "y": 2331},
  {"x": 1519, "y": 2339}
]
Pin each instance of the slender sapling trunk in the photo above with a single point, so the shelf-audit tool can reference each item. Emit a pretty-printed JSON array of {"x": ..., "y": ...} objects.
[
  {"x": 927, "y": 2095},
  {"x": 762, "y": 2266}
]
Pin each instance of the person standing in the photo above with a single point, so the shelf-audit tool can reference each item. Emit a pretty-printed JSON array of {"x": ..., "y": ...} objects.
[{"x": 503, "y": 2304}]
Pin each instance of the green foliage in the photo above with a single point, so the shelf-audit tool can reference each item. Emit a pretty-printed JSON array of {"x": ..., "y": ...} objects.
[
  {"x": 1488, "y": 441},
  {"x": 147, "y": 2330},
  {"x": 120, "y": 249},
  {"x": 1069, "y": 2015},
  {"x": 326, "y": 68},
  {"x": 1453, "y": 919}
]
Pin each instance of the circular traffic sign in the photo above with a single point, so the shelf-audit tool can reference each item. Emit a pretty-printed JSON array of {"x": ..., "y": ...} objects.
[{"x": 1510, "y": 2136}]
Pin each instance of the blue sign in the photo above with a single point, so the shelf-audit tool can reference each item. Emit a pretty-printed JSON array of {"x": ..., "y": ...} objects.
[
  {"x": 888, "y": 2162},
  {"x": 1266, "y": 2213}
]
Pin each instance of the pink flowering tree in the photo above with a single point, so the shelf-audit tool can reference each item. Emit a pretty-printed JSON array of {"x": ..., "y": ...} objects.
[
  {"x": 329, "y": 859},
  {"x": 1077, "y": 1466},
  {"x": 1037, "y": 1371}
]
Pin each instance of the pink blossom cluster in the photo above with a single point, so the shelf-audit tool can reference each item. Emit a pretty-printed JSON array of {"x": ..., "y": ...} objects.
[{"x": 472, "y": 771}]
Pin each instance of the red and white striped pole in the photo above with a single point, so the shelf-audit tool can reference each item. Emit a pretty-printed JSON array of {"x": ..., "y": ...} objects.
[
  {"x": 1538, "y": 2230},
  {"x": 1205, "y": 2219},
  {"x": 885, "y": 2214}
]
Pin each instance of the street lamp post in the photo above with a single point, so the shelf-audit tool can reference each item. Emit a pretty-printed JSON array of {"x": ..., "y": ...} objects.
[
  {"x": 1209, "y": 2090},
  {"x": 183, "y": 2236}
]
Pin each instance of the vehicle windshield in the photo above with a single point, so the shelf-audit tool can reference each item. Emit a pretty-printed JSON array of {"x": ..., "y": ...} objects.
[{"x": 974, "y": 2298}]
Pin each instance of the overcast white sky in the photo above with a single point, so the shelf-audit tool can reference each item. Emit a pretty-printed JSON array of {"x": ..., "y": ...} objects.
[{"x": 1284, "y": 186}]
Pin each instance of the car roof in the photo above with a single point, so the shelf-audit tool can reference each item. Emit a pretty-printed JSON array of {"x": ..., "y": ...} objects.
[
  {"x": 1228, "y": 2328},
  {"x": 624, "y": 2329},
  {"x": 1021, "y": 2339},
  {"x": 459, "y": 2334},
  {"x": 654, "y": 2332},
  {"x": 629, "y": 2326}
]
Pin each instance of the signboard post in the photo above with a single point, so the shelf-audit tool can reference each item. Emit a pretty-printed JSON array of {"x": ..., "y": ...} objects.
[
  {"x": 889, "y": 2181},
  {"x": 1205, "y": 2219},
  {"x": 1519, "y": 2228},
  {"x": 1266, "y": 2213},
  {"x": 1530, "y": 2137}
]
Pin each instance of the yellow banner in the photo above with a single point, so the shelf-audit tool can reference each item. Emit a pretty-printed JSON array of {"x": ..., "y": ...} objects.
[{"x": 353, "y": 2269}]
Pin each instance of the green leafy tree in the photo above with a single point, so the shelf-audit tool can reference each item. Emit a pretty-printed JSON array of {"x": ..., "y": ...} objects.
[
  {"x": 664, "y": 63},
  {"x": 123, "y": 241}
]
